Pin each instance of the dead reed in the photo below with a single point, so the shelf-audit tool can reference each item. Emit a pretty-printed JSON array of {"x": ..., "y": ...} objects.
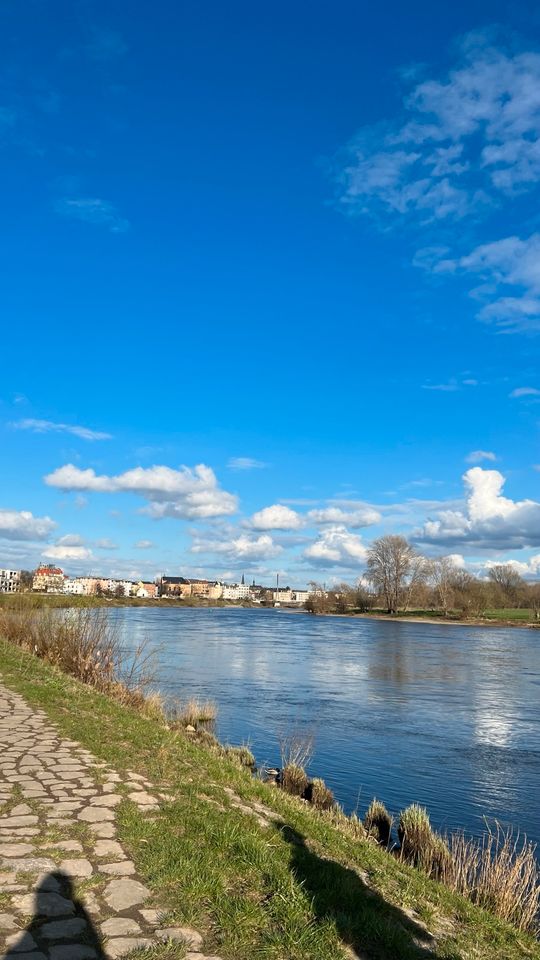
[{"x": 83, "y": 643}]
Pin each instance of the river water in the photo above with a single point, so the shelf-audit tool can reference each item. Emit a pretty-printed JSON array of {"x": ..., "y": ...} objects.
[{"x": 446, "y": 716}]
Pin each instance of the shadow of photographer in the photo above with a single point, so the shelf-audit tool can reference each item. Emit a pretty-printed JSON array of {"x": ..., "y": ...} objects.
[
  {"x": 58, "y": 917},
  {"x": 364, "y": 920}
]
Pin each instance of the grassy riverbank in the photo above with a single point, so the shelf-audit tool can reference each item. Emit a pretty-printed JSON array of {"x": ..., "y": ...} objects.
[{"x": 296, "y": 889}]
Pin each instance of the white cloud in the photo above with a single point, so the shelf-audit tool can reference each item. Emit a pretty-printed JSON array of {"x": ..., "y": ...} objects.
[
  {"x": 93, "y": 210},
  {"x": 144, "y": 544},
  {"x": 476, "y": 456},
  {"x": 241, "y": 547},
  {"x": 525, "y": 568},
  {"x": 106, "y": 544},
  {"x": 525, "y": 392},
  {"x": 245, "y": 463},
  {"x": 451, "y": 386},
  {"x": 502, "y": 264},
  {"x": 462, "y": 137},
  {"x": 22, "y": 525},
  {"x": 361, "y": 517},
  {"x": 186, "y": 493},
  {"x": 490, "y": 519},
  {"x": 60, "y": 552},
  {"x": 336, "y": 546},
  {"x": 276, "y": 517},
  {"x": 70, "y": 540},
  {"x": 457, "y": 560},
  {"x": 47, "y": 426}
]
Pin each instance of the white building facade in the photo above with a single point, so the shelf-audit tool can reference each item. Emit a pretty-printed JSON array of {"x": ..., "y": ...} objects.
[
  {"x": 236, "y": 591},
  {"x": 10, "y": 581}
]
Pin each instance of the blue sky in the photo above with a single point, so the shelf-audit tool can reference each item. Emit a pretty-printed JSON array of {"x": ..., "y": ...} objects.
[{"x": 270, "y": 285}]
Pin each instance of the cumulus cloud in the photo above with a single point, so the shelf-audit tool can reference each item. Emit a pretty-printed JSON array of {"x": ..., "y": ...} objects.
[
  {"x": 93, "y": 210},
  {"x": 476, "y": 456},
  {"x": 525, "y": 568},
  {"x": 22, "y": 525},
  {"x": 245, "y": 463},
  {"x": 276, "y": 517},
  {"x": 144, "y": 544},
  {"x": 489, "y": 520},
  {"x": 462, "y": 139},
  {"x": 354, "y": 518},
  {"x": 241, "y": 547},
  {"x": 337, "y": 546},
  {"x": 61, "y": 552},
  {"x": 186, "y": 493},
  {"x": 48, "y": 426}
]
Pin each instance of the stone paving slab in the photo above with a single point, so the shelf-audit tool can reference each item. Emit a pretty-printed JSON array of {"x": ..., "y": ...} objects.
[{"x": 66, "y": 789}]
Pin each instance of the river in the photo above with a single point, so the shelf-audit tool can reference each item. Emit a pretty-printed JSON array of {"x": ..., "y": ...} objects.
[{"x": 445, "y": 716}]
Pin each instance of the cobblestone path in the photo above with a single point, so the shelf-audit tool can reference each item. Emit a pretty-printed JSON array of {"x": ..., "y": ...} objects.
[{"x": 68, "y": 891}]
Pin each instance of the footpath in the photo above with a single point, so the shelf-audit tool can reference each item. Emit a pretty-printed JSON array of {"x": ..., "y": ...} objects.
[{"x": 68, "y": 889}]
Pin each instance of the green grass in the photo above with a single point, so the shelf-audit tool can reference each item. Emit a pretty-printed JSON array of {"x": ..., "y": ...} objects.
[
  {"x": 298, "y": 890},
  {"x": 502, "y": 615},
  {"x": 510, "y": 613}
]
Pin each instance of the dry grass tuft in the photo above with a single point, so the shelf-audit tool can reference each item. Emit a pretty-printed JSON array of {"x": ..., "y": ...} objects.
[
  {"x": 500, "y": 873},
  {"x": 378, "y": 823},
  {"x": 194, "y": 712},
  {"x": 241, "y": 755},
  {"x": 321, "y": 795},
  {"x": 415, "y": 835},
  {"x": 294, "y": 780}
]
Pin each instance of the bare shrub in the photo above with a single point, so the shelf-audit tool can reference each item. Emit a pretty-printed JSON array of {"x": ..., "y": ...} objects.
[
  {"x": 378, "y": 822},
  {"x": 83, "y": 643},
  {"x": 296, "y": 749}
]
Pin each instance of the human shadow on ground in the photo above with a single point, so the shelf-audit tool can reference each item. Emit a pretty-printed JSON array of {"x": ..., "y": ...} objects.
[
  {"x": 55, "y": 902},
  {"x": 364, "y": 920}
]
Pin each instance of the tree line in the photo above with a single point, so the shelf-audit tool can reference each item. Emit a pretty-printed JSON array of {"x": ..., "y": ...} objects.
[{"x": 398, "y": 579}]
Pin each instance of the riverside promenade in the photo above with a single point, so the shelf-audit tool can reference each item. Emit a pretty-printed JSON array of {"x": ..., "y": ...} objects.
[{"x": 68, "y": 889}]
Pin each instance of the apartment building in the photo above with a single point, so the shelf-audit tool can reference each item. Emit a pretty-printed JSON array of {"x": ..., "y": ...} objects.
[
  {"x": 48, "y": 579},
  {"x": 236, "y": 591},
  {"x": 10, "y": 581}
]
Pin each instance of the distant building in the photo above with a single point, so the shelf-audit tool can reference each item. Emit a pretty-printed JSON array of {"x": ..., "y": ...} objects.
[
  {"x": 288, "y": 595},
  {"x": 10, "y": 581},
  {"x": 146, "y": 590},
  {"x": 48, "y": 579},
  {"x": 175, "y": 587},
  {"x": 74, "y": 587},
  {"x": 184, "y": 587},
  {"x": 236, "y": 591}
]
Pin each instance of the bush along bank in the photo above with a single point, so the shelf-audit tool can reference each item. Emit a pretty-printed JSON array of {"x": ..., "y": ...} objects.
[{"x": 124, "y": 728}]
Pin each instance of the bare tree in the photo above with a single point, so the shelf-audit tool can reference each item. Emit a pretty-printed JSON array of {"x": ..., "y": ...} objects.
[
  {"x": 443, "y": 576},
  {"x": 508, "y": 581},
  {"x": 394, "y": 568}
]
